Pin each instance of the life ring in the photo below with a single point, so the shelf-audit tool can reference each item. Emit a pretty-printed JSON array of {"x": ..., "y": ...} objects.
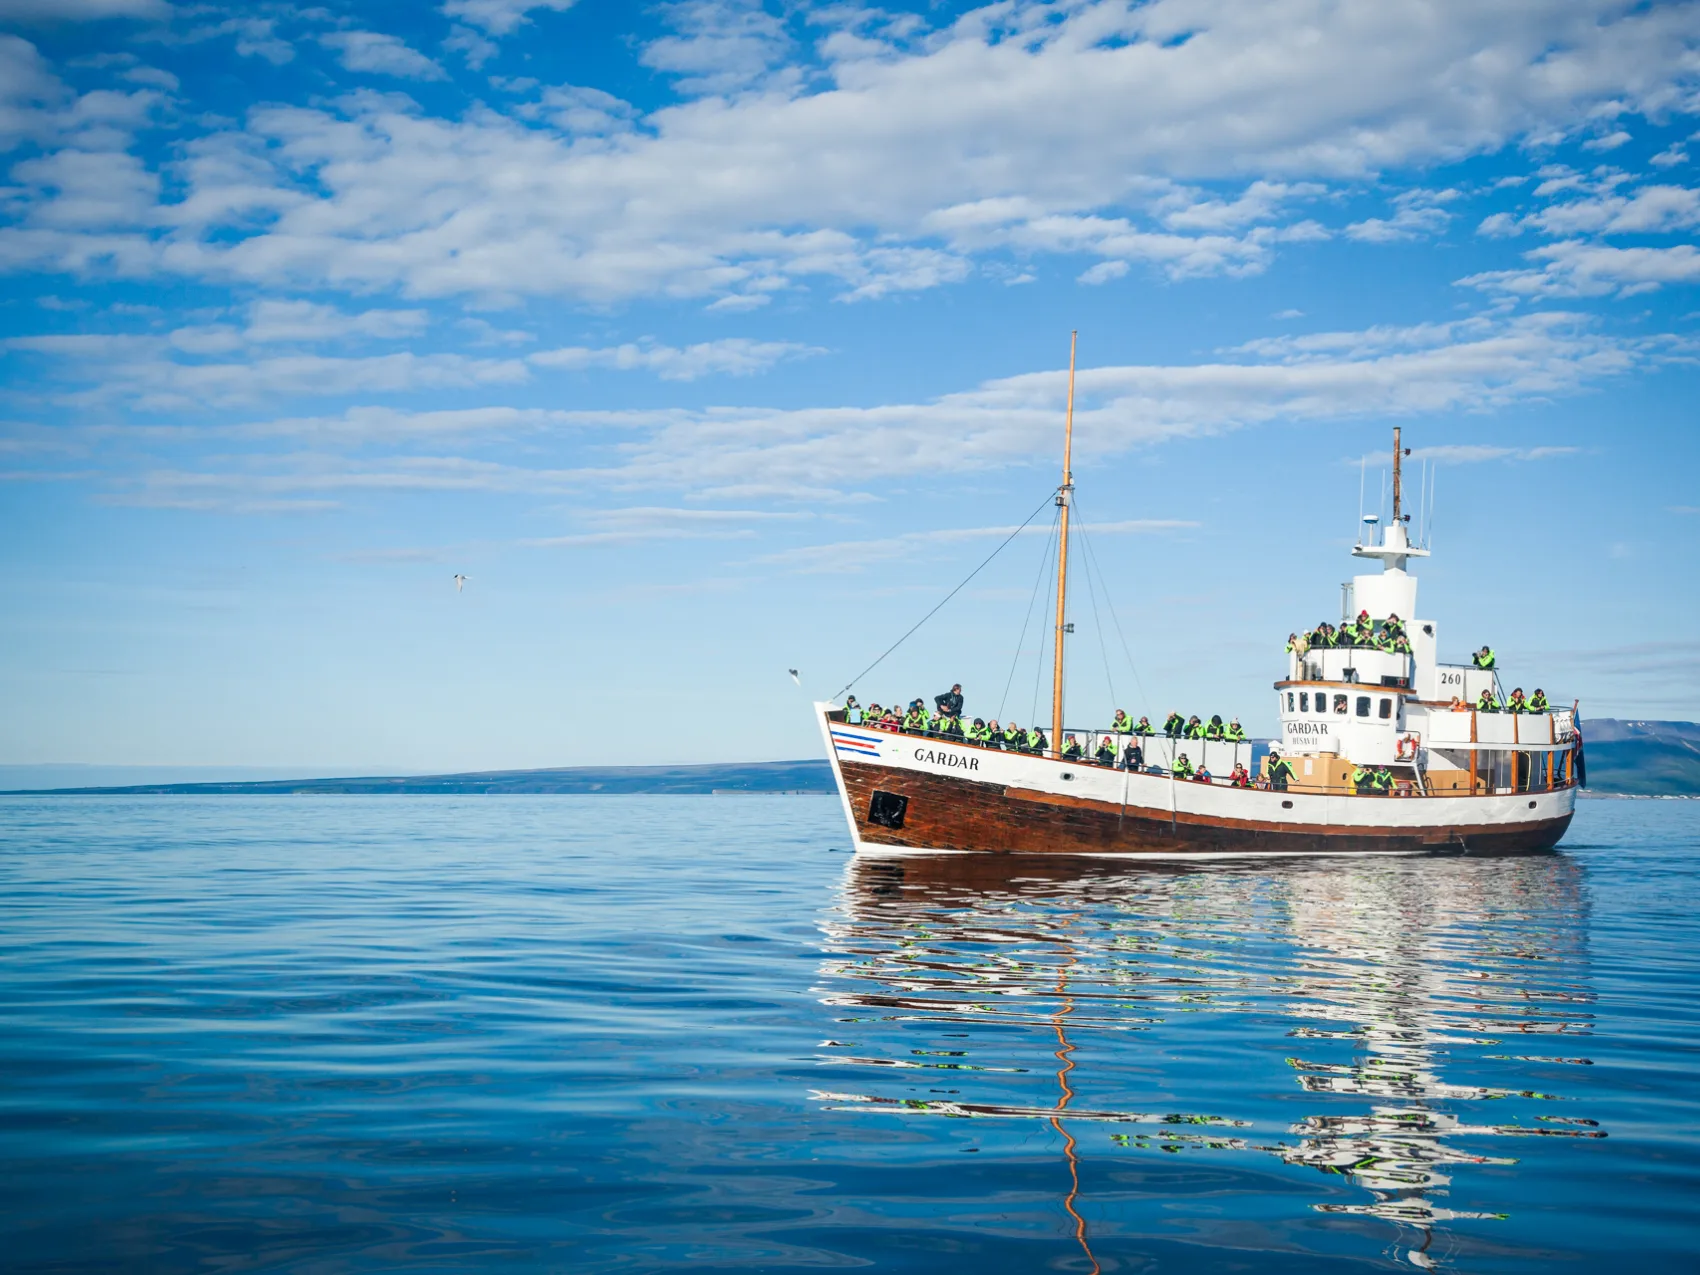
[{"x": 1407, "y": 749}]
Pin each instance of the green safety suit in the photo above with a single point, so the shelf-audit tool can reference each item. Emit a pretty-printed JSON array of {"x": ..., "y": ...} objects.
[
  {"x": 1483, "y": 661},
  {"x": 1280, "y": 771},
  {"x": 1538, "y": 703},
  {"x": 1173, "y": 725},
  {"x": 1363, "y": 781},
  {"x": 1012, "y": 738},
  {"x": 1035, "y": 741},
  {"x": 1486, "y": 703},
  {"x": 1235, "y": 732},
  {"x": 1122, "y": 724},
  {"x": 1144, "y": 727},
  {"x": 1182, "y": 768}
]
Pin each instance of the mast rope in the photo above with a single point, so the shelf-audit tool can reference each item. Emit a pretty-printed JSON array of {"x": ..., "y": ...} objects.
[
  {"x": 1038, "y": 579},
  {"x": 1049, "y": 496},
  {"x": 1039, "y": 663},
  {"x": 1097, "y": 616},
  {"x": 1092, "y": 557}
]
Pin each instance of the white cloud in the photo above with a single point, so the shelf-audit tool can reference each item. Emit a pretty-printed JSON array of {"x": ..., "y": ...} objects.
[
  {"x": 722, "y": 45},
  {"x": 277, "y": 320},
  {"x": 737, "y": 356},
  {"x": 1419, "y": 215},
  {"x": 1671, "y": 156},
  {"x": 1648, "y": 210},
  {"x": 1575, "y": 268},
  {"x": 854, "y": 556},
  {"x": 835, "y": 453},
  {"x": 1475, "y": 453},
  {"x": 381, "y": 54},
  {"x": 499, "y": 17},
  {"x": 1089, "y": 124}
]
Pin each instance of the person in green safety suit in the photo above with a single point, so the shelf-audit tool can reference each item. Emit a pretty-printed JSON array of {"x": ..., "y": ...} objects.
[
  {"x": 915, "y": 721},
  {"x": 1234, "y": 732},
  {"x": 935, "y": 723},
  {"x": 1279, "y": 771},
  {"x": 1486, "y": 703},
  {"x": 1483, "y": 658},
  {"x": 1296, "y": 645},
  {"x": 1538, "y": 702},
  {"x": 1363, "y": 781},
  {"x": 1014, "y": 738},
  {"x": 1517, "y": 703},
  {"x": 1036, "y": 741},
  {"x": 1383, "y": 782},
  {"x": 1071, "y": 749},
  {"x": 1173, "y": 724},
  {"x": 1143, "y": 726},
  {"x": 1182, "y": 769},
  {"x": 952, "y": 728},
  {"x": 1214, "y": 729},
  {"x": 1194, "y": 728},
  {"x": 1106, "y": 754},
  {"x": 1122, "y": 723}
]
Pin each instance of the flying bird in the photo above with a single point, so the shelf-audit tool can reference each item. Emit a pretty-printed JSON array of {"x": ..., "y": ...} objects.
[
  {"x": 794, "y": 677},
  {"x": 460, "y": 582}
]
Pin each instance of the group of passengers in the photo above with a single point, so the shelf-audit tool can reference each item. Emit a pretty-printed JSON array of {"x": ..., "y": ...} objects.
[
  {"x": 1177, "y": 727},
  {"x": 1486, "y": 702},
  {"x": 1372, "y": 781},
  {"x": 1375, "y": 635}
]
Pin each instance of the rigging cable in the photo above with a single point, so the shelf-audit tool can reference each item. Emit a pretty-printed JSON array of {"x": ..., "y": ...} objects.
[
  {"x": 1092, "y": 557},
  {"x": 1097, "y": 616},
  {"x": 1038, "y": 579},
  {"x": 947, "y": 597},
  {"x": 1039, "y": 668}
]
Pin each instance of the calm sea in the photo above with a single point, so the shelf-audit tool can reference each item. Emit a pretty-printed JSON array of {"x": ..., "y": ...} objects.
[{"x": 648, "y": 1034}]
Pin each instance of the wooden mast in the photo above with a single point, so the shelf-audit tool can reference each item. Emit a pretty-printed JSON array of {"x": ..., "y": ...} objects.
[{"x": 1065, "y": 496}]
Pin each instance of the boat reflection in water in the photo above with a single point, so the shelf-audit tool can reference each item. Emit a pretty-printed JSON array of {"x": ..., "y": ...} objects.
[{"x": 1095, "y": 996}]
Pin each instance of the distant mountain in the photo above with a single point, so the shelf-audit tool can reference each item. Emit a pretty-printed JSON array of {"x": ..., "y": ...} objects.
[
  {"x": 1655, "y": 759},
  {"x": 751, "y": 777}
]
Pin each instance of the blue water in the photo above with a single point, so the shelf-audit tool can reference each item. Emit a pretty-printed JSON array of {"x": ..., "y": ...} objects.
[{"x": 645, "y": 1034}]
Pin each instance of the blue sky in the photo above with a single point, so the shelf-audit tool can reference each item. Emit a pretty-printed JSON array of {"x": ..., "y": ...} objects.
[{"x": 718, "y": 337}]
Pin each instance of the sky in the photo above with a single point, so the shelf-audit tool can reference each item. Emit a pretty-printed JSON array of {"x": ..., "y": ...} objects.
[{"x": 716, "y": 338}]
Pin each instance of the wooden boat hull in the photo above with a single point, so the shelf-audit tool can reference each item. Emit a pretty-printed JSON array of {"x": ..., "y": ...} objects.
[{"x": 950, "y": 797}]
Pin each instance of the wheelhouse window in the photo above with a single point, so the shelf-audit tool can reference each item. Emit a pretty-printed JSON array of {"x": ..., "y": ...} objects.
[
  {"x": 1289, "y": 701},
  {"x": 1304, "y": 701},
  {"x": 1321, "y": 702},
  {"x": 1386, "y": 709},
  {"x": 1363, "y": 706},
  {"x": 1339, "y": 703}
]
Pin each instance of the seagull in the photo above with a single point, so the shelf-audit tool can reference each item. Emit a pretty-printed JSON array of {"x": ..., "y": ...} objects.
[
  {"x": 794, "y": 677},
  {"x": 460, "y": 582}
]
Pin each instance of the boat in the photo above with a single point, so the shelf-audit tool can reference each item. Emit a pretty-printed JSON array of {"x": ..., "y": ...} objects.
[{"x": 1456, "y": 769}]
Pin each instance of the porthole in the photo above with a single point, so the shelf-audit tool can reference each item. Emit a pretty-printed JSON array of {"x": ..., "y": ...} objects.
[
  {"x": 1068, "y": 774},
  {"x": 1531, "y": 805},
  {"x": 1286, "y": 805}
]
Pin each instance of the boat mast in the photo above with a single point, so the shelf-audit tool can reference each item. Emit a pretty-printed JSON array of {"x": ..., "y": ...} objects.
[{"x": 1065, "y": 495}]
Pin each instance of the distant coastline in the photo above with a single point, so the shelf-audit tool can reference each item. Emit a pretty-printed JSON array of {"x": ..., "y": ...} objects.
[
  {"x": 791, "y": 777},
  {"x": 1626, "y": 758}
]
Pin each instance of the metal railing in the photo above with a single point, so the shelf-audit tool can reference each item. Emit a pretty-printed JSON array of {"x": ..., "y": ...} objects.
[{"x": 1414, "y": 787}]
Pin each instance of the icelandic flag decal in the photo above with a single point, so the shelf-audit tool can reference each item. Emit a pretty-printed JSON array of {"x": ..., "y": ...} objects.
[{"x": 853, "y": 744}]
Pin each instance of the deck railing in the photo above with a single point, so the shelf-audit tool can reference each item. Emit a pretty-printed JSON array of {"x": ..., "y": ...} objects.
[{"x": 1089, "y": 740}]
